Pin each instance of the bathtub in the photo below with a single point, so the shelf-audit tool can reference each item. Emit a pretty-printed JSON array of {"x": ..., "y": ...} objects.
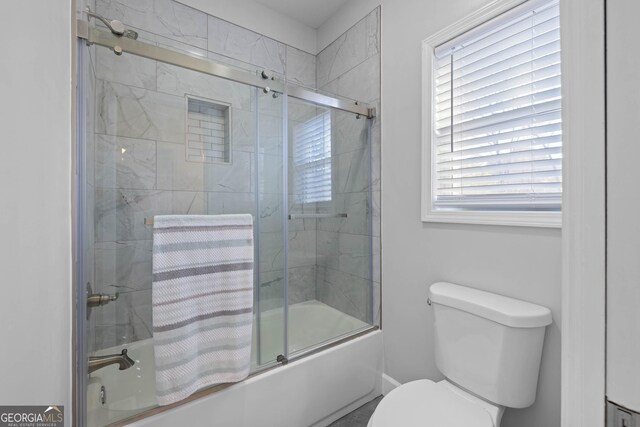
[{"x": 311, "y": 391}]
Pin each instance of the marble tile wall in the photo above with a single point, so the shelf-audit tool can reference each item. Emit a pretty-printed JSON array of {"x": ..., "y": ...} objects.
[
  {"x": 139, "y": 166},
  {"x": 140, "y": 170},
  {"x": 350, "y": 67}
]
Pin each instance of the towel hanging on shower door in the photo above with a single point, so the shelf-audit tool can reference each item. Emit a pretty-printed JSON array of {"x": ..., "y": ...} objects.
[{"x": 202, "y": 302}]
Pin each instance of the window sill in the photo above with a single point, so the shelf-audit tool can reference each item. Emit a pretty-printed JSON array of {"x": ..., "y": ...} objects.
[{"x": 514, "y": 219}]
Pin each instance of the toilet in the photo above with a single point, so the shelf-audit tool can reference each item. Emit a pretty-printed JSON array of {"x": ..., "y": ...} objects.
[{"x": 488, "y": 347}]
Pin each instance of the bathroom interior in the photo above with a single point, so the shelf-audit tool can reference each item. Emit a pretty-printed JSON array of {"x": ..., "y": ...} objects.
[{"x": 365, "y": 213}]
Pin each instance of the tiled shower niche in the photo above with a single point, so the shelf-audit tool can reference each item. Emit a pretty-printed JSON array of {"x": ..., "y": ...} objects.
[{"x": 208, "y": 135}]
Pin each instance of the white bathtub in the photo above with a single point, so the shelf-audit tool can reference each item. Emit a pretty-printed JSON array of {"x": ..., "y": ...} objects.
[{"x": 312, "y": 391}]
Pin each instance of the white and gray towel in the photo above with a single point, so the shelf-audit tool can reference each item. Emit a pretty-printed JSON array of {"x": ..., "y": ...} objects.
[{"x": 202, "y": 302}]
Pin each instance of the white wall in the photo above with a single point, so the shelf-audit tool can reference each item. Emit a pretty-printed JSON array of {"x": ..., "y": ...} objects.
[
  {"x": 623, "y": 227},
  {"x": 35, "y": 223},
  {"x": 261, "y": 19},
  {"x": 519, "y": 262}
]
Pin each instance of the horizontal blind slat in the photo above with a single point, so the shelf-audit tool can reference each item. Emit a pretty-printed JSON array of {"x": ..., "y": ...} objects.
[
  {"x": 312, "y": 159},
  {"x": 444, "y": 152},
  {"x": 516, "y": 99},
  {"x": 503, "y": 117},
  {"x": 494, "y": 66}
]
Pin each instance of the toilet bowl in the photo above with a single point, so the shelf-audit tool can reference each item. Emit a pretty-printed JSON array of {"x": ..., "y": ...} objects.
[
  {"x": 488, "y": 347},
  {"x": 424, "y": 403}
]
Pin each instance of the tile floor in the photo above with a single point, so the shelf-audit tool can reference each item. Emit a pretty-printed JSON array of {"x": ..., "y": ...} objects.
[{"x": 359, "y": 417}]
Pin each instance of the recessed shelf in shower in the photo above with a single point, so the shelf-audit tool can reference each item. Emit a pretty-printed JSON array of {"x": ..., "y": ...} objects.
[{"x": 208, "y": 131}]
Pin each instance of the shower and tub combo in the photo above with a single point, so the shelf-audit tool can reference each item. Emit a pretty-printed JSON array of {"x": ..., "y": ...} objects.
[{"x": 169, "y": 126}]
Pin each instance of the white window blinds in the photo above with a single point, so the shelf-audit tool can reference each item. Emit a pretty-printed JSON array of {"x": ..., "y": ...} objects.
[
  {"x": 497, "y": 131},
  {"x": 312, "y": 159}
]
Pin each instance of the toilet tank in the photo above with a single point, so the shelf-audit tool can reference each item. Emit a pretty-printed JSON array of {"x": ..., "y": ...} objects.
[{"x": 489, "y": 344}]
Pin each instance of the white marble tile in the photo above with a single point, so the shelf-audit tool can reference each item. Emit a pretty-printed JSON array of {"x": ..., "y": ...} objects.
[
  {"x": 180, "y": 82},
  {"x": 373, "y": 32},
  {"x": 301, "y": 67},
  {"x": 234, "y": 177},
  {"x": 271, "y": 215},
  {"x": 231, "y": 203},
  {"x": 126, "y": 69},
  {"x": 167, "y": 18},
  {"x": 126, "y": 320},
  {"x": 356, "y": 206},
  {"x": 302, "y": 248},
  {"x": 355, "y": 255},
  {"x": 345, "y": 292},
  {"x": 243, "y": 130},
  {"x": 139, "y": 113},
  {"x": 328, "y": 255},
  {"x": 302, "y": 284},
  {"x": 239, "y": 43},
  {"x": 176, "y": 173},
  {"x": 232, "y": 62},
  {"x": 272, "y": 297},
  {"x": 123, "y": 266},
  {"x": 271, "y": 248},
  {"x": 134, "y": 309},
  {"x": 361, "y": 83},
  {"x": 348, "y": 253},
  {"x": 348, "y": 132},
  {"x": 351, "y": 172},
  {"x": 270, "y": 134},
  {"x": 347, "y": 51},
  {"x": 120, "y": 213},
  {"x": 270, "y": 174},
  {"x": 125, "y": 162}
]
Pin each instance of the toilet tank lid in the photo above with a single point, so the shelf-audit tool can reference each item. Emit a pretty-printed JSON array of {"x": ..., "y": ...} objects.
[{"x": 504, "y": 310}]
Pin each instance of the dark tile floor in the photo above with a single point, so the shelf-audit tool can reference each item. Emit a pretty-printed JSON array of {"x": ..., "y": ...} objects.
[{"x": 359, "y": 417}]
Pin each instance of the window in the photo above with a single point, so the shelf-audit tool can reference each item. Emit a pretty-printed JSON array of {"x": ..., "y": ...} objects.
[
  {"x": 495, "y": 131},
  {"x": 312, "y": 159}
]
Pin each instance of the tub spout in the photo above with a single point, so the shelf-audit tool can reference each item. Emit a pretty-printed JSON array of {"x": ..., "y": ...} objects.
[{"x": 98, "y": 362}]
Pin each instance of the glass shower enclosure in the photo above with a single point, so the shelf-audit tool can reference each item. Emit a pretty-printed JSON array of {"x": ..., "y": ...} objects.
[{"x": 165, "y": 130}]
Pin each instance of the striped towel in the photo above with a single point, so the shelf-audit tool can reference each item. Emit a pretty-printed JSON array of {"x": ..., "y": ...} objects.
[{"x": 202, "y": 302}]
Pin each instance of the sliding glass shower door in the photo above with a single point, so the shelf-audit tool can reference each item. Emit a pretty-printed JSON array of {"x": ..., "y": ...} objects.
[
  {"x": 157, "y": 137},
  {"x": 161, "y": 139},
  {"x": 329, "y": 256}
]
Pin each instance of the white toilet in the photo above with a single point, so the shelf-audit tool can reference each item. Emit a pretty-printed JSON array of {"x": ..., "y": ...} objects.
[{"x": 488, "y": 347}]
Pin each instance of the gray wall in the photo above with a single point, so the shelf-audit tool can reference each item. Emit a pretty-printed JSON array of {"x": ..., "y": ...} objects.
[
  {"x": 623, "y": 227},
  {"x": 36, "y": 170},
  {"x": 519, "y": 262}
]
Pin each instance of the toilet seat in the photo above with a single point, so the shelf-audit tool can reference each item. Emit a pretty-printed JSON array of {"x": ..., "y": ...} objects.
[{"x": 424, "y": 403}]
